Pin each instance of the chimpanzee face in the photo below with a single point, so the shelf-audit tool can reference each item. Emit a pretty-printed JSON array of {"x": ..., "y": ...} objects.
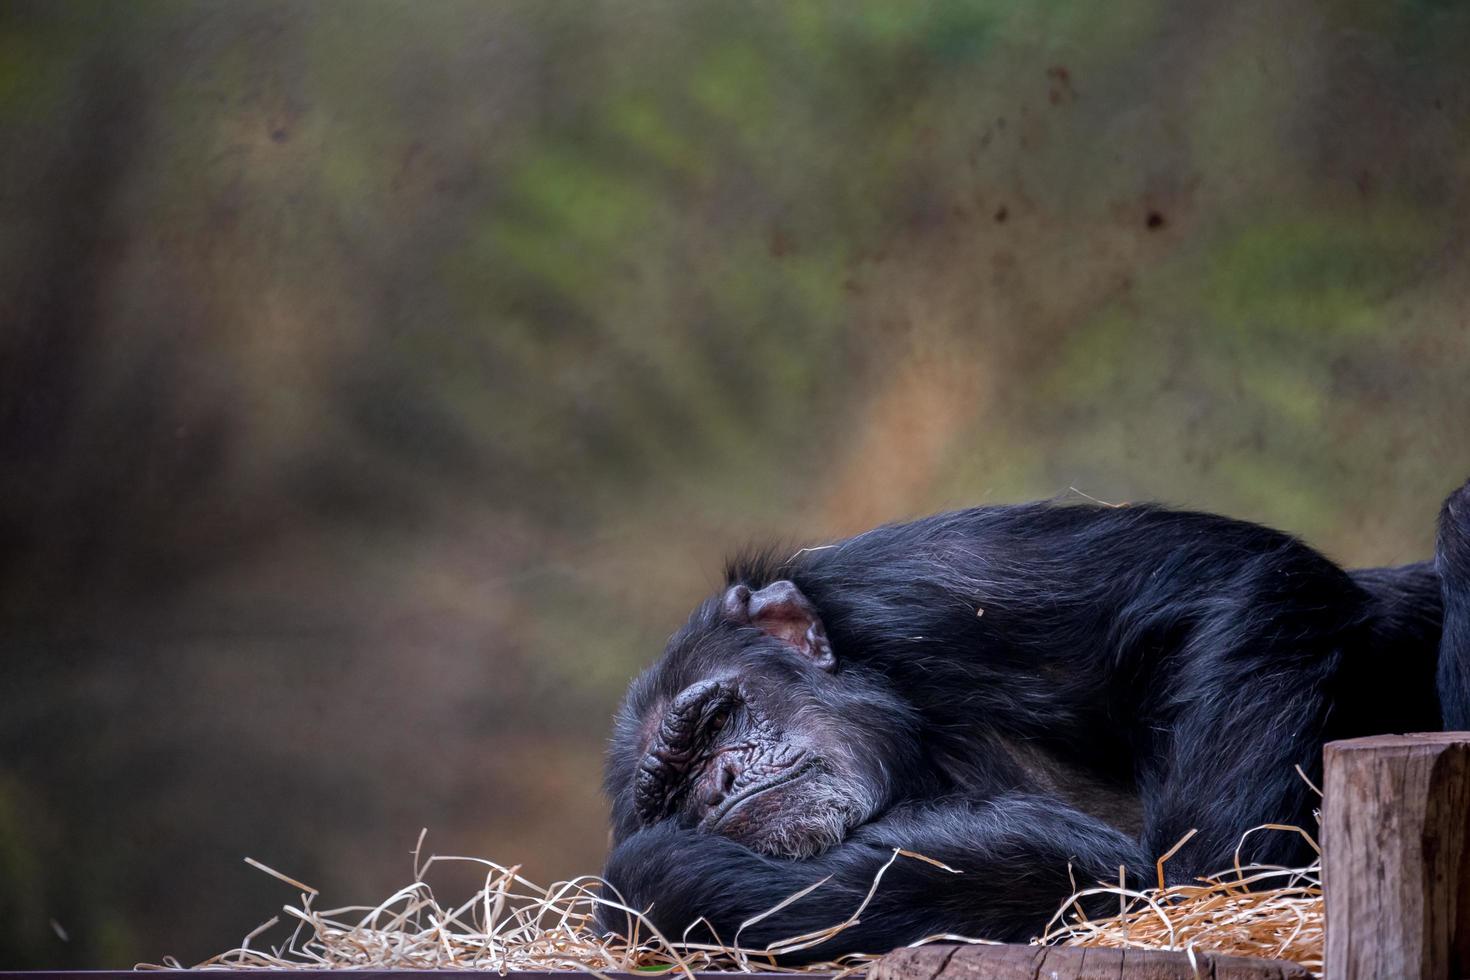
[{"x": 751, "y": 727}]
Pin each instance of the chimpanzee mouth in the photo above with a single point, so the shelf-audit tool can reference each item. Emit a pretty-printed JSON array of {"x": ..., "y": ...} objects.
[{"x": 718, "y": 814}]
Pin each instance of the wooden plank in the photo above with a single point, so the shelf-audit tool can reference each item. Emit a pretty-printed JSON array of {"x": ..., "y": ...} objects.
[
  {"x": 264, "y": 974},
  {"x": 1008, "y": 962},
  {"x": 924, "y": 963},
  {"x": 1396, "y": 868}
]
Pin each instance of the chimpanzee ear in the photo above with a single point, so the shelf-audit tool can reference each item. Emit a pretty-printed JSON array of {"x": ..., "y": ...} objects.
[{"x": 784, "y": 613}]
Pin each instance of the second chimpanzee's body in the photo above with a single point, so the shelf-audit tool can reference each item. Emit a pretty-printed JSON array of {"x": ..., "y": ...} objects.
[{"x": 1033, "y": 695}]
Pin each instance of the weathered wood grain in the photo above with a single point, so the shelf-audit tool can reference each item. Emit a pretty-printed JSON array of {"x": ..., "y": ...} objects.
[
  {"x": 1396, "y": 868},
  {"x": 1072, "y": 963},
  {"x": 313, "y": 974}
]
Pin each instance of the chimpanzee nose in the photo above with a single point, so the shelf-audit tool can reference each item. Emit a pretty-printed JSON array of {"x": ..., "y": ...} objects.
[{"x": 721, "y": 782}]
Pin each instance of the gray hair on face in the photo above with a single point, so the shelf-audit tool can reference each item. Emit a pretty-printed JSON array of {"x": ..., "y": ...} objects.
[
  {"x": 836, "y": 801},
  {"x": 824, "y": 821}
]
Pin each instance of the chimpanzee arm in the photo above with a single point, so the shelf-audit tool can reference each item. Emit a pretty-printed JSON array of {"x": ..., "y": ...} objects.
[{"x": 1013, "y": 854}]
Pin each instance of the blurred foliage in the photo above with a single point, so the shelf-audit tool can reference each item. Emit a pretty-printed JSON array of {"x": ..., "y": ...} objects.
[{"x": 380, "y": 382}]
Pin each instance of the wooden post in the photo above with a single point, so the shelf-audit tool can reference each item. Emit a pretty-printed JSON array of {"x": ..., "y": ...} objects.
[
  {"x": 1395, "y": 865},
  {"x": 1000, "y": 962}
]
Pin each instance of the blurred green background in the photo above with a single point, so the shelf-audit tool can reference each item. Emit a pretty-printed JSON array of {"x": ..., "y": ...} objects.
[{"x": 381, "y": 382}]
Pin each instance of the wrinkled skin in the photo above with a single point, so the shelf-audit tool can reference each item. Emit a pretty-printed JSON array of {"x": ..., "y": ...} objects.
[
  {"x": 756, "y": 751},
  {"x": 738, "y": 773}
]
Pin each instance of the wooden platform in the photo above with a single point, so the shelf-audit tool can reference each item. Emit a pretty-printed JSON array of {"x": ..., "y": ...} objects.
[
  {"x": 937, "y": 962},
  {"x": 1397, "y": 866},
  {"x": 1073, "y": 963}
]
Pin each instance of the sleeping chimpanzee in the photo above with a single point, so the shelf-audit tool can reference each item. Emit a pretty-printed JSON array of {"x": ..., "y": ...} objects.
[{"x": 1033, "y": 695}]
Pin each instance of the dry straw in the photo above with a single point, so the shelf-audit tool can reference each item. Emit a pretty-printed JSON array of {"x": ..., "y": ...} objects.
[{"x": 511, "y": 924}]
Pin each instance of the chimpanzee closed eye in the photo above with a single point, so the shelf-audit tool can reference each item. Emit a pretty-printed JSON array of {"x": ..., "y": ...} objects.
[{"x": 1032, "y": 694}]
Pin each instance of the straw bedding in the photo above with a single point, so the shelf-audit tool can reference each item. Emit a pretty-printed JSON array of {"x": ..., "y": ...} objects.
[{"x": 512, "y": 924}]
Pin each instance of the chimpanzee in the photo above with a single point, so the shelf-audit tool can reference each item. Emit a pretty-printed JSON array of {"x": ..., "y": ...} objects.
[{"x": 1034, "y": 695}]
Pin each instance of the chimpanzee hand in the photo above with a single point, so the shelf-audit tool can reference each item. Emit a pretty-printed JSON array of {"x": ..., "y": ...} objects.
[{"x": 1012, "y": 854}]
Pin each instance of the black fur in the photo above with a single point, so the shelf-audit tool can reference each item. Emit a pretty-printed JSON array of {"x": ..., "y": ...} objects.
[
  {"x": 1452, "y": 563},
  {"x": 1184, "y": 661}
]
